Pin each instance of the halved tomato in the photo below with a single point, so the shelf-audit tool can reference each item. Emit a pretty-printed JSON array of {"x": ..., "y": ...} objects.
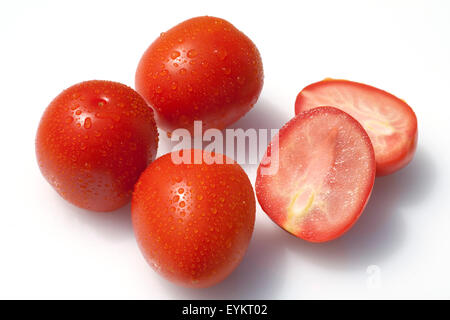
[
  {"x": 326, "y": 170},
  {"x": 389, "y": 121}
]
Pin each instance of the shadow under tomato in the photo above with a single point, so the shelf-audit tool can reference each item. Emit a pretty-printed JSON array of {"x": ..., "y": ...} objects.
[
  {"x": 262, "y": 120},
  {"x": 412, "y": 184},
  {"x": 263, "y": 115},
  {"x": 259, "y": 275},
  {"x": 115, "y": 225},
  {"x": 260, "y": 117},
  {"x": 380, "y": 231}
]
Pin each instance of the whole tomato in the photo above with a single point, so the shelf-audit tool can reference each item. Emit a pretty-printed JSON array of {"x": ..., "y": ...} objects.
[
  {"x": 93, "y": 142},
  {"x": 202, "y": 69},
  {"x": 193, "y": 222}
]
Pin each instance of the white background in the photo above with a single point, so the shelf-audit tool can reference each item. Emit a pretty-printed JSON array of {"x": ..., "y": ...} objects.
[{"x": 50, "y": 249}]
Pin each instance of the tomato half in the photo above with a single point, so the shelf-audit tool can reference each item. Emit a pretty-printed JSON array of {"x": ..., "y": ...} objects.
[
  {"x": 326, "y": 170},
  {"x": 389, "y": 121},
  {"x": 202, "y": 69},
  {"x": 93, "y": 142},
  {"x": 193, "y": 222}
]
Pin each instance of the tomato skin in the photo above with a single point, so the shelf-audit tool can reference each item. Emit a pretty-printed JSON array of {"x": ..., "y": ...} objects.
[
  {"x": 394, "y": 151},
  {"x": 202, "y": 69},
  {"x": 93, "y": 142},
  {"x": 326, "y": 171},
  {"x": 401, "y": 160},
  {"x": 193, "y": 222}
]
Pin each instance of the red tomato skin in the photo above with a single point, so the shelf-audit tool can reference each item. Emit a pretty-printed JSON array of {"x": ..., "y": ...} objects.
[
  {"x": 193, "y": 223},
  {"x": 394, "y": 162},
  {"x": 275, "y": 208},
  {"x": 402, "y": 160},
  {"x": 93, "y": 142},
  {"x": 202, "y": 69}
]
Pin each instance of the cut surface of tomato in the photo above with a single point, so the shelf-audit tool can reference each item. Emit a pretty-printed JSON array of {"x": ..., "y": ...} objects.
[
  {"x": 390, "y": 123},
  {"x": 326, "y": 170}
]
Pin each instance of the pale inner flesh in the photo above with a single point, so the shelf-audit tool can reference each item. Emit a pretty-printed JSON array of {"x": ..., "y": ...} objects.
[
  {"x": 325, "y": 167},
  {"x": 311, "y": 185},
  {"x": 385, "y": 123}
]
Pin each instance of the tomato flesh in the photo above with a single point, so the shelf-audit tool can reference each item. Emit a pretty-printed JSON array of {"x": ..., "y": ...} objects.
[
  {"x": 202, "y": 69},
  {"x": 326, "y": 171},
  {"x": 193, "y": 222},
  {"x": 93, "y": 142},
  {"x": 389, "y": 121}
]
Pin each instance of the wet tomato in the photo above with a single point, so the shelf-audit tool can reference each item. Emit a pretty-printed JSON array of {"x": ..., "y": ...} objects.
[
  {"x": 202, "y": 69},
  {"x": 193, "y": 222},
  {"x": 93, "y": 142}
]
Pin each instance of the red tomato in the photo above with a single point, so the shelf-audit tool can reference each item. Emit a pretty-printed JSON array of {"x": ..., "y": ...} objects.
[
  {"x": 193, "y": 222},
  {"x": 202, "y": 69},
  {"x": 389, "y": 121},
  {"x": 326, "y": 170},
  {"x": 93, "y": 142}
]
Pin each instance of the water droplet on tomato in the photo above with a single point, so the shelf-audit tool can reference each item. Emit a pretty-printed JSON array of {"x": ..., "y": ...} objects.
[
  {"x": 175, "y": 54},
  {"x": 87, "y": 123},
  {"x": 192, "y": 53},
  {"x": 226, "y": 70},
  {"x": 222, "y": 54},
  {"x": 240, "y": 80},
  {"x": 108, "y": 115}
]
